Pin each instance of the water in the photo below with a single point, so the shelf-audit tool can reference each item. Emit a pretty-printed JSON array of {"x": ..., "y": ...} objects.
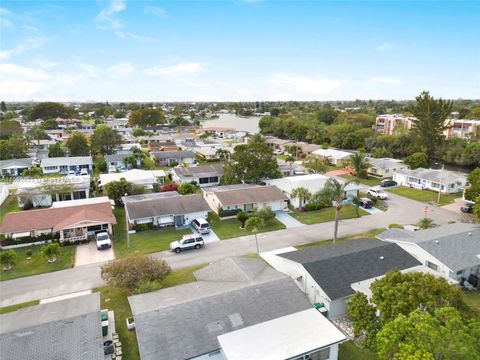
[{"x": 249, "y": 124}]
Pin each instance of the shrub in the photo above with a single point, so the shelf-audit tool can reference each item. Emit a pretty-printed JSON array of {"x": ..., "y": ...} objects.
[
  {"x": 169, "y": 187},
  {"x": 143, "y": 227},
  {"x": 224, "y": 213},
  {"x": 101, "y": 166},
  {"x": 173, "y": 164},
  {"x": 187, "y": 188},
  {"x": 266, "y": 214},
  {"x": 131, "y": 272},
  {"x": 242, "y": 216},
  {"x": 51, "y": 251},
  {"x": 318, "y": 206},
  {"x": 8, "y": 259},
  {"x": 28, "y": 239}
]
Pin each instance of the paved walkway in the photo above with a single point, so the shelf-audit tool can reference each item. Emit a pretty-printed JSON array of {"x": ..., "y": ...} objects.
[
  {"x": 287, "y": 220},
  {"x": 86, "y": 254}
]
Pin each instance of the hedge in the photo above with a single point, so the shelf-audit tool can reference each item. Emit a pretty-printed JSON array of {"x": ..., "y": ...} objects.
[{"x": 232, "y": 212}]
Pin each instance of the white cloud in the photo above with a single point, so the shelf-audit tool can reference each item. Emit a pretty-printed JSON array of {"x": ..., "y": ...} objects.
[
  {"x": 107, "y": 18},
  {"x": 16, "y": 72},
  {"x": 385, "y": 80},
  {"x": 384, "y": 46},
  {"x": 306, "y": 84},
  {"x": 5, "y": 12},
  {"x": 22, "y": 46},
  {"x": 89, "y": 70},
  {"x": 129, "y": 35},
  {"x": 45, "y": 63},
  {"x": 120, "y": 69},
  {"x": 176, "y": 70},
  {"x": 19, "y": 89},
  {"x": 155, "y": 10}
]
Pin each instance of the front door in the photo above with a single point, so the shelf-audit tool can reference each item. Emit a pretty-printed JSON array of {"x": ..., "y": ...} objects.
[{"x": 179, "y": 220}]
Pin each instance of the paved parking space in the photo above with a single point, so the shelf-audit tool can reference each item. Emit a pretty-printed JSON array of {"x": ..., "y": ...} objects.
[
  {"x": 287, "y": 220},
  {"x": 86, "y": 254},
  {"x": 207, "y": 238},
  {"x": 373, "y": 210}
]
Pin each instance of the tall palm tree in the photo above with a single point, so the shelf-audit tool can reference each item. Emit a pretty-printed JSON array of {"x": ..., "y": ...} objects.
[
  {"x": 302, "y": 194},
  {"x": 223, "y": 154},
  {"x": 359, "y": 164},
  {"x": 254, "y": 224},
  {"x": 333, "y": 191}
]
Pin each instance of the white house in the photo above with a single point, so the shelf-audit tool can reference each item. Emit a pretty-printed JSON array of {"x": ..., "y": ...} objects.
[
  {"x": 384, "y": 167},
  {"x": 333, "y": 156},
  {"x": 63, "y": 165},
  {"x": 3, "y": 192},
  {"x": 430, "y": 179},
  {"x": 167, "y": 158},
  {"x": 203, "y": 175},
  {"x": 14, "y": 167},
  {"x": 311, "y": 182},
  {"x": 145, "y": 178},
  {"x": 326, "y": 273},
  {"x": 245, "y": 197},
  {"x": 452, "y": 250}
]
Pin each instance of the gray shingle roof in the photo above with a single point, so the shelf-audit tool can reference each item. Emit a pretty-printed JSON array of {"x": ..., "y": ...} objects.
[
  {"x": 66, "y": 329},
  {"x": 167, "y": 205},
  {"x": 71, "y": 161},
  {"x": 448, "y": 176},
  {"x": 184, "y": 321},
  {"x": 247, "y": 194},
  {"x": 336, "y": 267},
  {"x": 24, "y": 162},
  {"x": 116, "y": 157},
  {"x": 384, "y": 163},
  {"x": 199, "y": 171},
  {"x": 173, "y": 154}
]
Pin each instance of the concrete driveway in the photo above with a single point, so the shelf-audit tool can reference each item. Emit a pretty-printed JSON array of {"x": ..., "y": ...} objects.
[
  {"x": 287, "y": 220},
  {"x": 207, "y": 238},
  {"x": 87, "y": 254}
]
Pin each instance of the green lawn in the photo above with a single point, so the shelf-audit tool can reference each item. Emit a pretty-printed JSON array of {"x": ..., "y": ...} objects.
[
  {"x": 38, "y": 264},
  {"x": 7, "y": 309},
  {"x": 371, "y": 235},
  {"x": 9, "y": 205},
  {"x": 424, "y": 195},
  {"x": 115, "y": 299},
  {"x": 328, "y": 214},
  {"x": 472, "y": 298},
  {"x": 230, "y": 228},
  {"x": 370, "y": 181},
  {"x": 349, "y": 351},
  {"x": 144, "y": 242},
  {"x": 282, "y": 157}
]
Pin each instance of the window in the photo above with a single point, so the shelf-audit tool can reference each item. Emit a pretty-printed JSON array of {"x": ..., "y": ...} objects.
[
  {"x": 322, "y": 354},
  {"x": 213, "y": 179},
  {"x": 203, "y": 180},
  {"x": 460, "y": 272},
  {"x": 432, "y": 265}
]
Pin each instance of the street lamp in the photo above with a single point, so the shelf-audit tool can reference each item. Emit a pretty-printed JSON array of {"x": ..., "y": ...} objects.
[
  {"x": 441, "y": 179},
  {"x": 126, "y": 223}
]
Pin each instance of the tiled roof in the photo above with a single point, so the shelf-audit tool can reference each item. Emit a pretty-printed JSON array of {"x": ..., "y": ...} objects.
[{"x": 247, "y": 194}]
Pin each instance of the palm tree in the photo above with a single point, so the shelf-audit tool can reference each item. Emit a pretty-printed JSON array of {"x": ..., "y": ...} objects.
[
  {"x": 333, "y": 191},
  {"x": 254, "y": 224},
  {"x": 425, "y": 223},
  {"x": 302, "y": 194},
  {"x": 359, "y": 164},
  {"x": 51, "y": 252},
  {"x": 223, "y": 154}
]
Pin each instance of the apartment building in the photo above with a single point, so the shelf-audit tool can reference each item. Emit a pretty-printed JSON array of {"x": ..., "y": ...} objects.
[{"x": 387, "y": 123}]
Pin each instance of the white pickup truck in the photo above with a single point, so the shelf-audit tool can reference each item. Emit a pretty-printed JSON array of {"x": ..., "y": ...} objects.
[{"x": 103, "y": 240}]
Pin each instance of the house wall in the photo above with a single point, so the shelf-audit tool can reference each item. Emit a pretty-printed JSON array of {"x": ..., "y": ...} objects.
[
  {"x": 388, "y": 172},
  {"x": 64, "y": 169},
  {"x": 180, "y": 180},
  {"x": 158, "y": 220},
  {"x": 450, "y": 188},
  {"x": 13, "y": 171},
  {"x": 45, "y": 200}
]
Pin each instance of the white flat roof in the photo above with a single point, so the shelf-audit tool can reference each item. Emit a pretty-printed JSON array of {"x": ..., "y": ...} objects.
[
  {"x": 94, "y": 200},
  {"x": 136, "y": 176},
  {"x": 281, "y": 338}
]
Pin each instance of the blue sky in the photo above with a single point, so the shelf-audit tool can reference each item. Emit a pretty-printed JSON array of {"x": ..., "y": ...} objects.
[{"x": 120, "y": 50}]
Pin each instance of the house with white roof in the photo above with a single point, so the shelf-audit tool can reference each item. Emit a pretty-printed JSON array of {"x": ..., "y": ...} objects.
[
  {"x": 311, "y": 182},
  {"x": 384, "y": 167},
  {"x": 63, "y": 165},
  {"x": 333, "y": 156},
  {"x": 14, "y": 167},
  {"x": 145, "y": 178},
  {"x": 429, "y": 179}
]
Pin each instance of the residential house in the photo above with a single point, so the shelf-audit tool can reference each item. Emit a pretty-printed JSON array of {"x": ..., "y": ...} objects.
[
  {"x": 326, "y": 273},
  {"x": 165, "y": 209},
  {"x": 307, "y": 149},
  {"x": 117, "y": 161},
  {"x": 145, "y": 178},
  {"x": 64, "y": 329},
  {"x": 245, "y": 197},
  {"x": 209, "y": 153},
  {"x": 277, "y": 143},
  {"x": 312, "y": 182},
  {"x": 162, "y": 146},
  {"x": 462, "y": 128},
  {"x": 452, "y": 250},
  {"x": 387, "y": 123},
  {"x": 384, "y": 167},
  {"x": 203, "y": 175},
  {"x": 169, "y": 158},
  {"x": 430, "y": 179},
  {"x": 243, "y": 310},
  {"x": 70, "y": 223},
  {"x": 14, "y": 167},
  {"x": 220, "y": 132},
  {"x": 64, "y": 165},
  {"x": 333, "y": 156},
  {"x": 42, "y": 192},
  {"x": 3, "y": 192},
  {"x": 39, "y": 148},
  {"x": 286, "y": 169}
]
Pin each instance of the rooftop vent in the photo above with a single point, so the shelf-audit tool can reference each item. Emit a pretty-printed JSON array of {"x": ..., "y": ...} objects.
[
  {"x": 381, "y": 257},
  {"x": 437, "y": 242}
]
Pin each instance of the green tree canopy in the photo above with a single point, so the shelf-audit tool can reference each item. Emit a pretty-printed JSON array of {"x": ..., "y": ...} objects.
[
  {"x": 146, "y": 117},
  {"x": 36, "y": 133},
  {"x": 13, "y": 148},
  {"x": 116, "y": 189},
  {"x": 9, "y": 128},
  {"x": 55, "y": 150},
  {"x": 105, "y": 140},
  {"x": 416, "y": 160},
  {"x": 77, "y": 145},
  {"x": 50, "y": 110},
  {"x": 359, "y": 164}
]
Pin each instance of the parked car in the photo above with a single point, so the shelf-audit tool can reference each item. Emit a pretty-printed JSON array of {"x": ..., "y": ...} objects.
[
  {"x": 467, "y": 208},
  {"x": 103, "y": 240},
  {"x": 388, "y": 183},
  {"x": 378, "y": 193},
  {"x": 84, "y": 171},
  {"x": 71, "y": 173},
  {"x": 187, "y": 242},
  {"x": 366, "y": 203},
  {"x": 201, "y": 225},
  {"x": 277, "y": 152}
]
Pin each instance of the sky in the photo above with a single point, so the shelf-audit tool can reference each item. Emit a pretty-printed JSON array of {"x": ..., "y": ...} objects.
[{"x": 238, "y": 50}]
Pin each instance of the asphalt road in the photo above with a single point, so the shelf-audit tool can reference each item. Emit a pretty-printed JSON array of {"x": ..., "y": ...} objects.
[{"x": 401, "y": 211}]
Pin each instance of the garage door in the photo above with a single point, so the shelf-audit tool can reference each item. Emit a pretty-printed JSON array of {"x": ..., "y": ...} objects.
[{"x": 165, "y": 219}]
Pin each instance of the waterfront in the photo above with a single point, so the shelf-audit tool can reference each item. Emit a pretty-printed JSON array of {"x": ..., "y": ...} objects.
[{"x": 249, "y": 124}]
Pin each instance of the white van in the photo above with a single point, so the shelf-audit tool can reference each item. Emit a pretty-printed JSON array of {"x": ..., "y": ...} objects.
[
  {"x": 103, "y": 240},
  {"x": 201, "y": 225}
]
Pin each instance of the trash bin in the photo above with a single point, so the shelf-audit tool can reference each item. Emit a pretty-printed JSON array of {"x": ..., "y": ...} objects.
[
  {"x": 104, "y": 315},
  {"x": 105, "y": 327}
]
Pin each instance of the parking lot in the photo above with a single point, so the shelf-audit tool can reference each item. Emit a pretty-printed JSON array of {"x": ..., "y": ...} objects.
[{"x": 87, "y": 254}]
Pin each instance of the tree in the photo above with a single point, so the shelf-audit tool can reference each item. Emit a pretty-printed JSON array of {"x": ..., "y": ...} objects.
[
  {"x": 223, "y": 154},
  {"x": 416, "y": 160},
  {"x": 187, "y": 188},
  {"x": 243, "y": 216},
  {"x": 146, "y": 117},
  {"x": 115, "y": 190},
  {"x": 333, "y": 191},
  {"x": 51, "y": 251},
  {"x": 476, "y": 207},
  {"x": 266, "y": 214},
  {"x": 302, "y": 194},
  {"x": 254, "y": 224},
  {"x": 315, "y": 164},
  {"x": 55, "y": 150},
  {"x": 3, "y": 107},
  {"x": 132, "y": 271},
  {"x": 77, "y": 145},
  {"x": 250, "y": 164},
  {"x": 33, "y": 172},
  {"x": 13, "y": 148},
  {"x": 290, "y": 159},
  {"x": 473, "y": 190},
  {"x": 10, "y": 128},
  {"x": 101, "y": 165},
  {"x": 443, "y": 334},
  {"x": 36, "y": 133},
  {"x": 425, "y": 223},
  {"x": 364, "y": 319},
  {"x": 430, "y": 123},
  {"x": 8, "y": 259},
  {"x": 105, "y": 140},
  {"x": 50, "y": 110},
  {"x": 359, "y": 164}
]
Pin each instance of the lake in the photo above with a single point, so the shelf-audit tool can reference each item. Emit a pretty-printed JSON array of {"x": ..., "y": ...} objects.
[{"x": 249, "y": 124}]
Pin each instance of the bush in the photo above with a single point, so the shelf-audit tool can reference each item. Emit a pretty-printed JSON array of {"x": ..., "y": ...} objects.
[
  {"x": 317, "y": 206},
  {"x": 225, "y": 213},
  {"x": 8, "y": 258},
  {"x": 28, "y": 239},
  {"x": 131, "y": 272},
  {"x": 101, "y": 166},
  {"x": 169, "y": 187},
  {"x": 242, "y": 216},
  {"x": 266, "y": 214},
  {"x": 51, "y": 251},
  {"x": 187, "y": 188},
  {"x": 143, "y": 227},
  {"x": 173, "y": 164}
]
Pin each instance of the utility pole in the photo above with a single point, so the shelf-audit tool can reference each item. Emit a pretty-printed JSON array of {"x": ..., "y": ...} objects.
[
  {"x": 440, "y": 189},
  {"x": 126, "y": 224}
]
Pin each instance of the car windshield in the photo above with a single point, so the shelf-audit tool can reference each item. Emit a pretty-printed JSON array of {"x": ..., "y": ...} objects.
[
  {"x": 102, "y": 237},
  {"x": 204, "y": 225}
]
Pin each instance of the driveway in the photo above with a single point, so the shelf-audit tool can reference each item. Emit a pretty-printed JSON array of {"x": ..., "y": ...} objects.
[
  {"x": 287, "y": 220},
  {"x": 207, "y": 238},
  {"x": 372, "y": 210},
  {"x": 87, "y": 254}
]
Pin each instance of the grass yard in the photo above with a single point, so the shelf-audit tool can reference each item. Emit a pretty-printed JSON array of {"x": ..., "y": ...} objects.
[
  {"x": 328, "y": 214},
  {"x": 116, "y": 299},
  {"x": 349, "y": 351},
  {"x": 424, "y": 195},
  {"x": 370, "y": 181},
  {"x": 38, "y": 264},
  {"x": 472, "y": 298},
  {"x": 230, "y": 228},
  {"x": 371, "y": 235},
  {"x": 9, "y": 205},
  {"x": 282, "y": 157},
  {"x": 144, "y": 242},
  {"x": 11, "y": 308}
]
